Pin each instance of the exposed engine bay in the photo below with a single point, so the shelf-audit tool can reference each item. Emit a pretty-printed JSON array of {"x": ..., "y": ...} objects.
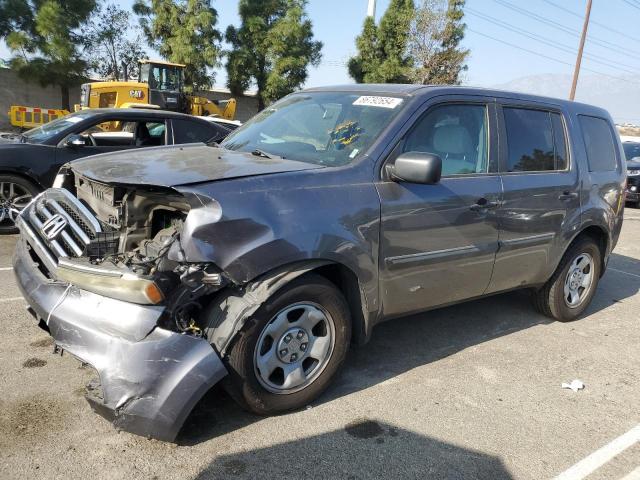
[{"x": 140, "y": 239}]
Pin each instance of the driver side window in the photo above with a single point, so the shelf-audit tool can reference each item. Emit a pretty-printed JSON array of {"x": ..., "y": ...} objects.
[{"x": 455, "y": 132}]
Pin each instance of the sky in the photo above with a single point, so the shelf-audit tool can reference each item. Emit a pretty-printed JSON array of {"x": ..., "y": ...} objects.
[{"x": 494, "y": 29}]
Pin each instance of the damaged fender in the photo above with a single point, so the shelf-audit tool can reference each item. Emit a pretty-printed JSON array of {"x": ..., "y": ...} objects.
[{"x": 226, "y": 316}]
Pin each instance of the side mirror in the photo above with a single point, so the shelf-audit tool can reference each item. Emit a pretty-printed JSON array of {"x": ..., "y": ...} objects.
[
  {"x": 417, "y": 167},
  {"x": 75, "y": 141}
]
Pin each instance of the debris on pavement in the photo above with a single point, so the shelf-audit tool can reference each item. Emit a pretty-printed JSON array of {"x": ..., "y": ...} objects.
[{"x": 575, "y": 385}]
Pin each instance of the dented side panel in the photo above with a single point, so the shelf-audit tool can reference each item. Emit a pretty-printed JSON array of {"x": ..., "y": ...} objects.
[{"x": 267, "y": 223}]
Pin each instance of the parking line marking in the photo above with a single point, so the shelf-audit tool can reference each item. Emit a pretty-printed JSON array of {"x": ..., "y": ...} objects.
[
  {"x": 12, "y": 299},
  {"x": 622, "y": 271},
  {"x": 635, "y": 475},
  {"x": 598, "y": 458},
  {"x": 5, "y": 269}
]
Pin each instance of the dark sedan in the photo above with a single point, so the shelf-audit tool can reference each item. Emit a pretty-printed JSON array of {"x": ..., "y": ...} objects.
[{"x": 29, "y": 161}]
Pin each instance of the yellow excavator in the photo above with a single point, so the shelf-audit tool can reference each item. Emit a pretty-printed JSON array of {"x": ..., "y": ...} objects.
[{"x": 160, "y": 85}]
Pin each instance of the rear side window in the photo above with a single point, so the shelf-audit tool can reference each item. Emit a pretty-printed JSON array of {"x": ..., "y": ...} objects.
[
  {"x": 536, "y": 140},
  {"x": 186, "y": 131},
  {"x": 599, "y": 142}
]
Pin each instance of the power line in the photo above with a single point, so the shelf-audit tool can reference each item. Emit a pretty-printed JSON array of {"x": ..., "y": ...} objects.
[
  {"x": 559, "y": 46},
  {"x": 549, "y": 57},
  {"x": 571, "y": 12},
  {"x": 576, "y": 33},
  {"x": 631, "y": 4}
]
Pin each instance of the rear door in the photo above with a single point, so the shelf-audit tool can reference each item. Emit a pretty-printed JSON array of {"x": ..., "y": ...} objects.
[
  {"x": 541, "y": 201},
  {"x": 438, "y": 242}
]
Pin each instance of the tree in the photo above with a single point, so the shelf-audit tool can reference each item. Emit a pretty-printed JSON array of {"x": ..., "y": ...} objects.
[
  {"x": 112, "y": 54},
  {"x": 434, "y": 42},
  {"x": 382, "y": 50},
  {"x": 45, "y": 39},
  {"x": 273, "y": 47},
  {"x": 183, "y": 31}
]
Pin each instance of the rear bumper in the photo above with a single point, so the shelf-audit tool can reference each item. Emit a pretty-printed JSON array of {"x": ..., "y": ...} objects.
[{"x": 150, "y": 378}]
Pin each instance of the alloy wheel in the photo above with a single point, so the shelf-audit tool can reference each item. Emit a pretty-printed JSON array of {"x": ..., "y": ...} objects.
[{"x": 13, "y": 198}]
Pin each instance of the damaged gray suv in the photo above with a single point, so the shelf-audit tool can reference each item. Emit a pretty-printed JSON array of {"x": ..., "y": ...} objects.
[{"x": 259, "y": 261}]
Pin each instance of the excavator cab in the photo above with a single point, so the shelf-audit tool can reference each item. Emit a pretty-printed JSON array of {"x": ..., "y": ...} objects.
[{"x": 166, "y": 84}]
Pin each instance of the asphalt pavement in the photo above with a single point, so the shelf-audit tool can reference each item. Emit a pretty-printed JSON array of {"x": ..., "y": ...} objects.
[{"x": 471, "y": 391}]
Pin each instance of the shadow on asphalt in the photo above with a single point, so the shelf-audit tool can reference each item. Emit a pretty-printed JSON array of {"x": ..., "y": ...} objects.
[
  {"x": 362, "y": 450},
  {"x": 403, "y": 344}
]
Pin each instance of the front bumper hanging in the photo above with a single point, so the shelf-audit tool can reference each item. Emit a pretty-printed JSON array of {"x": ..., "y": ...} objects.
[{"x": 150, "y": 378}]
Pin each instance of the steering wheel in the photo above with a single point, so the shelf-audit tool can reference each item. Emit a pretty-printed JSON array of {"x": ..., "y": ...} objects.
[{"x": 92, "y": 140}]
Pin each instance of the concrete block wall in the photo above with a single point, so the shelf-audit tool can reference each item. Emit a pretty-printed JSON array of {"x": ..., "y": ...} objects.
[{"x": 15, "y": 91}]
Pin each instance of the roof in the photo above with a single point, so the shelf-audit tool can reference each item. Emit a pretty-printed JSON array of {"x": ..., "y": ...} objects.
[
  {"x": 137, "y": 112},
  {"x": 417, "y": 90},
  {"x": 162, "y": 62}
]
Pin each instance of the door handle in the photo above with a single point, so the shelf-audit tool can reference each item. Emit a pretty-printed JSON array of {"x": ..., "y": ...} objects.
[
  {"x": 567, "y": 195},
  {"x": 483, "y": 204}
]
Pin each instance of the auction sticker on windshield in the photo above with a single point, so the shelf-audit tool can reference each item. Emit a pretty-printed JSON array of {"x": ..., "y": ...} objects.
[{"x": 373, "y": 101}]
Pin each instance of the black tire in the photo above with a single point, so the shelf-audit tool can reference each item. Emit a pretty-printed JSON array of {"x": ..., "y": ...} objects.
[
  {"x": 242, "y": 382},
  {"x": 7, "y": 225},
  {"x": 550, "y": 301}
]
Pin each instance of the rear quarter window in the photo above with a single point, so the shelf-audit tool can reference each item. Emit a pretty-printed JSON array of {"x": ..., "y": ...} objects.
[{"x": 599, "y": 143}]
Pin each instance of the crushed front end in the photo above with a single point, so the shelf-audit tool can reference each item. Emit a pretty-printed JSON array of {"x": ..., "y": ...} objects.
[{"x": 104, "y": 272}]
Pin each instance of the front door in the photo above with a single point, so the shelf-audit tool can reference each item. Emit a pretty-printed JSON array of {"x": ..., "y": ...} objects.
[{"x": 438, "y": 242}]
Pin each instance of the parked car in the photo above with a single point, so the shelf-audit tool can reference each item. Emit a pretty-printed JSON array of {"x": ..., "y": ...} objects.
[
  {"x": 631, "y": 146},
  {"x": 261, "y": 260},
  {"x": 29, "y": 161}
]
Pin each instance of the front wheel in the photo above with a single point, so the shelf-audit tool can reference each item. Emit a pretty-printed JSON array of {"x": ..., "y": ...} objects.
[
  {"x": 291, "y": 349},
  {"x": 572, "y": 287}
]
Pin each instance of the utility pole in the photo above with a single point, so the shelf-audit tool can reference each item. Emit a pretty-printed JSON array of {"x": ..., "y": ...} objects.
[
  {"x": 371, "y": 9},
  {"x": 576, "y": 71}
]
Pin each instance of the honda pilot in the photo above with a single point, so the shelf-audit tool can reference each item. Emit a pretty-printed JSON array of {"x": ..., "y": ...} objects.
[{"x": 259, "y": 261}]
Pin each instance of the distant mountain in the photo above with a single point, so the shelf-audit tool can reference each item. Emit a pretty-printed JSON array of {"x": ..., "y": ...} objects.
[{"x": 620, "y": 97}]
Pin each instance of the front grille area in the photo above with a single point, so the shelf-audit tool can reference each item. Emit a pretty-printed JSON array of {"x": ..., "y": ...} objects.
[{"x": 64, "y": 227}]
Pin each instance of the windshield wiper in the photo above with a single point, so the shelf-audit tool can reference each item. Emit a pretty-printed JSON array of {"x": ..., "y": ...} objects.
[{"x": 260, "y": 153}]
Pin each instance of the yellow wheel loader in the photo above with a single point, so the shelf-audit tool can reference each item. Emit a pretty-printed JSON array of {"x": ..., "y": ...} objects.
[{"x": 160, "y": 85}]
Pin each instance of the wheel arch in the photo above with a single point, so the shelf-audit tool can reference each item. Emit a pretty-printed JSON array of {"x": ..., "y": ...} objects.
[
  {"x": 17, "y": 173},
  {"x": 229, "y": 310},
  {"x": 600, "y": 236}
]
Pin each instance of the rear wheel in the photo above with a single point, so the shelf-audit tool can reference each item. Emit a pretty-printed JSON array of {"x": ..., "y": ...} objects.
[
  {"x": 15, "y": 194},
  {"x": 571, "y": 288},
  {"x": 291, "y": 349}
]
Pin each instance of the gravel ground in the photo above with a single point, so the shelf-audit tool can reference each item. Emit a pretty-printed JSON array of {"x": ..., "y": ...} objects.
[{"x": 470, "y": 391}]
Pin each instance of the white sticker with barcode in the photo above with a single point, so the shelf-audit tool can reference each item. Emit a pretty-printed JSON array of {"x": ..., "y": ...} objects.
[{"x": 374, "y": 101}]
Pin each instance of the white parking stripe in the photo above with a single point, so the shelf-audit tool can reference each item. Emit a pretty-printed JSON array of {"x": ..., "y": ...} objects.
[
  {"x": 622, "y": 271},
  {"x": 5, "y": 269},
  {"x": 12, "y": 299},
  {"x": 635, "y": 475},
  {"x": 600, "y": 457}
]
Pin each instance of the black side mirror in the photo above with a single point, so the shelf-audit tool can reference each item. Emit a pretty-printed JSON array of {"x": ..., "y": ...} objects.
[
  {"x": 75, "y": 141},
  {"x": 417, "y": 167}
]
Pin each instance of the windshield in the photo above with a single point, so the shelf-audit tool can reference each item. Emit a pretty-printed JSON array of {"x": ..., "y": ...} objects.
[
  {"x": 51, "y": 129},
  {"x": 325, "y": 128},
  {"x": 631, "y": 150}
]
